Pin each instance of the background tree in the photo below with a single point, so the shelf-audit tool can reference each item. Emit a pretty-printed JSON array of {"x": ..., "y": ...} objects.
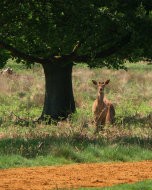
[{"x": 60, "y": 33}]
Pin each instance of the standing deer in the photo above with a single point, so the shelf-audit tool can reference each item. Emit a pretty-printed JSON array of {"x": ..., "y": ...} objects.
[{"x": 102, "y": 108}]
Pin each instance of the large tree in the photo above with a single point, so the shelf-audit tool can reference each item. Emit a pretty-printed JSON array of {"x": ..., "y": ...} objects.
[{"x": 60, "y": 33}]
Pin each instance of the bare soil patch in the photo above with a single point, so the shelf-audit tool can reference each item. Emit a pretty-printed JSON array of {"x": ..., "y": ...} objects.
[{"x": 74, "y": 176}]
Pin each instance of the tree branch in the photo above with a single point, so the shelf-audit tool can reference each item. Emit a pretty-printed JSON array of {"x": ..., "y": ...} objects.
[
  {"x": 16, "y": 53},
  {"x": 68, "y": 57},
  {"x": 76, "y": 47}
]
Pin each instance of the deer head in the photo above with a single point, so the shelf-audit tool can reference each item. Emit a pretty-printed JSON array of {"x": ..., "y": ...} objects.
[{"x": 100, "y": 86}]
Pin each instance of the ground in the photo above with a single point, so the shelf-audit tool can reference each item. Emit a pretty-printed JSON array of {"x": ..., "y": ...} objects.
[{"x": 75, "y": 175}]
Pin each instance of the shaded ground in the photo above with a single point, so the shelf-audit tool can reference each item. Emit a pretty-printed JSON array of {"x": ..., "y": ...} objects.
[{"x": 74, "y": 176}]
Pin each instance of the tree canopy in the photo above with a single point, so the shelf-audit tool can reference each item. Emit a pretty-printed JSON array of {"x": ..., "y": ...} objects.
[{"x": 100, "y": 33}]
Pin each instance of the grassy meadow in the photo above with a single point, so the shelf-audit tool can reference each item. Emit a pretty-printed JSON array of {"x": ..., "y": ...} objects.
[
  {"x": 25, "y": 143},
  {"x": 144, "y": 185}
]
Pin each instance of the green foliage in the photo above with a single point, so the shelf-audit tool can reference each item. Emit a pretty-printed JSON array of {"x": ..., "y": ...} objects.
[
  {"x": 4, "y": 56},
  {"x": 44, "y": 29}
]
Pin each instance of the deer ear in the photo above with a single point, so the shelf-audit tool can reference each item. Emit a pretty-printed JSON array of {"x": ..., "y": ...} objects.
[
  {"x": 107, "y": 81},
  {"x": 94, "y": 82}
]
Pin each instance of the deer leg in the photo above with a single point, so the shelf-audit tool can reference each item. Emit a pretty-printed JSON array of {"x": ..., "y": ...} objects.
[
  {"x": 100, "y": 120},
  {"x": 98, "y": 125},
  {"x": 110, "y": 115}
]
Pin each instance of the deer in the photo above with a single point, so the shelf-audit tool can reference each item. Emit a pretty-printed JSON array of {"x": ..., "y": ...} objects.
[
  {"x": 7, "y": 71},
  {"x": 103, "y": 110}
]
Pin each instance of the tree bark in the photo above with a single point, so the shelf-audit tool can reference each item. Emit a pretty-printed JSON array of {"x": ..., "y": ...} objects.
[{"x": 59, "y": 101}]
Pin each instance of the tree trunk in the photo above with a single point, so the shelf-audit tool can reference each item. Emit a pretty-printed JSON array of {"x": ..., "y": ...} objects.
[{"x": 59, "y": 100}]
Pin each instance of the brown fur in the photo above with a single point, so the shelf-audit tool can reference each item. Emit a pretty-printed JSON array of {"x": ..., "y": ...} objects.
[
  {"x": 7, "y": 71},
  {"x": 102, "y": 108}
]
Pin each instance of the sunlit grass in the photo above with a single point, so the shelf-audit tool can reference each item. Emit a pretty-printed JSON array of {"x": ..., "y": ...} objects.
[{"x": 144, "y": 185}]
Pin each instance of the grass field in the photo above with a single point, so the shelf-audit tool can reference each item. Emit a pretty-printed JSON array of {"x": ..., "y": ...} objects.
[
  {"x": 145, "y": 185},
  {"x": 24, "y": 143}
]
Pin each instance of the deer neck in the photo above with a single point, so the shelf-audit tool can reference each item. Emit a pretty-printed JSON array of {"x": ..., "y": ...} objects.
[{"x": 100, "y": 98}]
